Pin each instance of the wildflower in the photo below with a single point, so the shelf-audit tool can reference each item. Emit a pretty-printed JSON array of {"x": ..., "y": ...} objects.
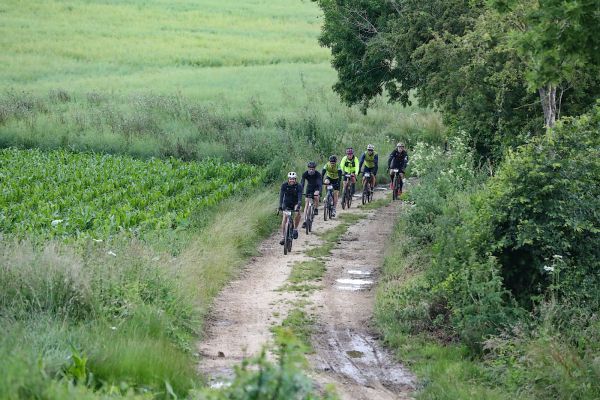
[
  {"x": 548, "y": 269},
  {"x": 557, "y": 257},
  {"x": 111, "y": 253},
  {"x": 56, "y": 222}
]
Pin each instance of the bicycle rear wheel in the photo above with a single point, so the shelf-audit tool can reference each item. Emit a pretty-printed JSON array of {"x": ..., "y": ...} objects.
[{"x": 394, "y": 187}]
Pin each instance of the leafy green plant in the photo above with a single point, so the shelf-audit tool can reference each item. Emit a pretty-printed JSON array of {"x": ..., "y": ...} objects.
[{"x": 67, "y": 194}]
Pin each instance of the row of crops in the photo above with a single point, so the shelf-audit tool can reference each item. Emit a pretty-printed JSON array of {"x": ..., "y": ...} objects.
[{"x": 67, "y": 194}]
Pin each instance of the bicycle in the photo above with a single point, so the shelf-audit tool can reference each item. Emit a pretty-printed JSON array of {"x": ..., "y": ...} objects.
[
  {"x": 289, "y": 231},
  {"x": 396, "y": 184},
  {"x": 367, "y": 194},
  {"x": 348, "y": 191},
  {"x": 310, "y": 213},
  {"x": 328, "y": 205}
]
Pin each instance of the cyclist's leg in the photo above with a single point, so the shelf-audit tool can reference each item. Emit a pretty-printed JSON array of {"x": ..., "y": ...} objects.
[{"x": 283, "y": 221}]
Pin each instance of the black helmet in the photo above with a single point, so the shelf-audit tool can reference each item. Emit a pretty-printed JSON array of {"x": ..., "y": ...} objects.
[
  {"x": 311, "y": 164},
  {"x": 332, "y": 159}
]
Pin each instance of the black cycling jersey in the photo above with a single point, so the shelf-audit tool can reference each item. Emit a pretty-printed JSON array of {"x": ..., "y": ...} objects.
[
  {"x": 398, "y": 159},
  {"x": 290, "y": 195},
  {"x": 314, "y": 180}
]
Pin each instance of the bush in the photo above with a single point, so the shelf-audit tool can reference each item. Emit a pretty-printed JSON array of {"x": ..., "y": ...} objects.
[{"x": 544, "y": 205}]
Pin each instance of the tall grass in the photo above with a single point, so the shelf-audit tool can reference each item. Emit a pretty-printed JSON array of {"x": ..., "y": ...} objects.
[{"x": 133, "y": 311}]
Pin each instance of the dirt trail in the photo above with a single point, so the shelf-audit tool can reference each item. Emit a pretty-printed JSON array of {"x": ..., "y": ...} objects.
[{"x": 347, "y": 352}]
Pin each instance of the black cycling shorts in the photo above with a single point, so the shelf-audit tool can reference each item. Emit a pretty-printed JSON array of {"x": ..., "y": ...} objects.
[
  {"x": 335, "y": 183},
  {"x": 371, "y": 170},
  {"x": 310, "y": 191},
  {"x": 289, "y": 206}
]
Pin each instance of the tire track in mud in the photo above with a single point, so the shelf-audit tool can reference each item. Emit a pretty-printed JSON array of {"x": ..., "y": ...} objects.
[{"x": 347, "y": 352}]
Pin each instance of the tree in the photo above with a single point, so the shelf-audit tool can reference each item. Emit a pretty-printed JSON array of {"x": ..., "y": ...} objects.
[
  {"x": 469, "y": 60},
  {"x": 559, "y": 42}
]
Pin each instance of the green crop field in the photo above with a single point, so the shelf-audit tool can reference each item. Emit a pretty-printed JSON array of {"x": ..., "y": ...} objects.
[
  {"x": 64, "y": 194},
  {"x": 165, "y": 46}
]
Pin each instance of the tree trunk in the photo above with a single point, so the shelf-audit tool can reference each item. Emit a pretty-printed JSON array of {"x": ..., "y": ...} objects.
[{"x": 548, "y": 98}]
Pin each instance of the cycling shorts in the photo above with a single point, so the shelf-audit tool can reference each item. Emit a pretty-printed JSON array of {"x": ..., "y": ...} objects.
[
  {"x": 371, "y": 170},
  {"x": 289, "y": 205},
  {"x": 334, "y": 182},
  {"x": 345, "y": 179},
  {"x": 310, "y": 191}
]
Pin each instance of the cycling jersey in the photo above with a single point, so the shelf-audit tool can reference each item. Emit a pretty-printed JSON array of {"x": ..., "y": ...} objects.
[
  {"x": 331, "y": 171},
  {"x": 349, "y": 166},
  {"x": 314, "y": 180},
  {"x": 290, "y": 195},
  {"x": 398, "y": 160},
  {"x": 370, "y": 161}
]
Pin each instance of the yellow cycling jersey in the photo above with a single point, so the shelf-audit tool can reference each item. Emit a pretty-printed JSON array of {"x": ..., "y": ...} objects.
[
  {"x": 331, "y": 171},
  {"x": 349, "y": 166},
  {"x": 370, "y": 159}
]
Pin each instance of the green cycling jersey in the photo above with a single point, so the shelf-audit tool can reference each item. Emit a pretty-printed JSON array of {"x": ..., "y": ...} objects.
[{"x": 349, "y": 166}]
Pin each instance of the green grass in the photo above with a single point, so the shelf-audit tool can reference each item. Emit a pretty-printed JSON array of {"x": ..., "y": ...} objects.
[
  {"x": 375, "y": 204},
  {"x": 307, "y": 271},
  {"x": 300, "y": 324}
]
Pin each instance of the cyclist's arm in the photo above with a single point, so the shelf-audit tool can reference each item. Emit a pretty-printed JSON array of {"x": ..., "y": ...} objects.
[
  {"x": 303, "y": 179},
  {"x": 356, "y": 169},
  {"x": 319, "y": 181},
  {"x": 390, "y": 158},
  {"x": 362, "y": 161},
  {"x": 340, "y": 173},
  {"x": 323, "y": 172},
  {"x": 300, "y": 191},
  {"x": 376, "y": 164},
  {"x": 281, "y": 191}
]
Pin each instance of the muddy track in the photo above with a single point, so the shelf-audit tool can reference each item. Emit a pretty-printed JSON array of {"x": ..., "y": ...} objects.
[{"x": 347, "y": 352}]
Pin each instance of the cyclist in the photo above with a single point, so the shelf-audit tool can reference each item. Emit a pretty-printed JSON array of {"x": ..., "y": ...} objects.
[
  {"x": 349, "y": 165},
  {"x": 332, "y": 174},
  {"x": 315, "y": 181},
  {"x": 290, "y": 198},
  {"x": 370, "y": 160},
  {"x": 398, "y": 160}
]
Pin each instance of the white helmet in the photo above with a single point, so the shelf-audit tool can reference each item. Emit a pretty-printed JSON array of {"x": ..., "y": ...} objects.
[
  {"x": 400, "y": 144},
  {"x": 370, "y": 147},
  {"x": 292, "y": 175}
]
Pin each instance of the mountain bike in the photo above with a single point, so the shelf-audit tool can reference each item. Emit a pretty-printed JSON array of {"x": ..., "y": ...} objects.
[
  {"x": 289, "y": 231},
  {"x": 328, "y": 205},
  {"x": 347, "y": 195},
  {"x": 367, "y": 194},
  {"x": 310, "y": 213},
  {"x": 396, "y": 184}
]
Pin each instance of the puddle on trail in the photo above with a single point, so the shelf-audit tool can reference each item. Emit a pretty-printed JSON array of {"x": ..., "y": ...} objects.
[
  {"x": 353, "y": 284},
  {"x": 361, "y": 359},
  {"x": 360, "y": 273}
]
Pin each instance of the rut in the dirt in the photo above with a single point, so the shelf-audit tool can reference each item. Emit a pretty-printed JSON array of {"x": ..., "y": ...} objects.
[{"x": 347, "y": 351}]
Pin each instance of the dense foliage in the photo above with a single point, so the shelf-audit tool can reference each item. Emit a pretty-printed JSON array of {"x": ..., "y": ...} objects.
[
  {"x": 476, "y": 64},
  {"x": 69, "y": 194},
  {"x": 509, "y": 266}
]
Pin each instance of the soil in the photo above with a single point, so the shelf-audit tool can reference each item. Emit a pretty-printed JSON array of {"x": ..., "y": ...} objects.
[{"x": 347, "y": 352}]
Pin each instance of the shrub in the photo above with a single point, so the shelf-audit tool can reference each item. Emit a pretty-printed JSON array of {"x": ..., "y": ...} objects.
[{"x": 544, "y": 205}]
